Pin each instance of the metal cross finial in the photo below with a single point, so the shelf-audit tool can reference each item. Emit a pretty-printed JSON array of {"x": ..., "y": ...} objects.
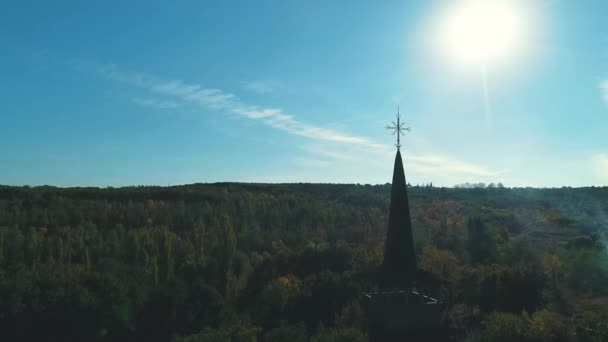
[{"x": 398, "y": 128}]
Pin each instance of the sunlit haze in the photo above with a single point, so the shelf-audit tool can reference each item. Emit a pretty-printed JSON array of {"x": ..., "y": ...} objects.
[{"x": 482, "y": 31}]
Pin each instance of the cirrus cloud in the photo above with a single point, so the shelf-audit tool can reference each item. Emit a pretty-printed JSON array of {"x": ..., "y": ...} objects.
[
  {"x": 329, "y": 145},
  {"x": 604, "y": 90}
]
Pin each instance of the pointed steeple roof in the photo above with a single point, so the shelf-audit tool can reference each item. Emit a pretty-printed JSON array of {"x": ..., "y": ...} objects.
[{"x": 399, "y": 266}]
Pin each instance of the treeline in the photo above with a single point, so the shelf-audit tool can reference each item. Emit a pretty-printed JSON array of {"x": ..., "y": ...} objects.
[{"x": 257, "y": 262}]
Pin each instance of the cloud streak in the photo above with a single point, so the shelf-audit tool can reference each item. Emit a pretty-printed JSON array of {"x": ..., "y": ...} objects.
[
  {"x": 258, "y": 87},
  {"x": 435, "y": 164},
  {"x": 311, "y": 162},
  {"x": 328, "y": 144},
  {"x": 421, "y": 164},
  {"x": 604, "y": 90},
  {"x": 156, "y": 103},
  {"x": 217, "y": 99}
]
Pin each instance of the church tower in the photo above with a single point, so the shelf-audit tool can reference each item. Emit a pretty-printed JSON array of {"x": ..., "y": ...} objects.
[{"x": 403, "y": 307}]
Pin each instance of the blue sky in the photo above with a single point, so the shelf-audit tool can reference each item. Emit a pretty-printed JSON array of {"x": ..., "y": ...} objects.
[{"x": 147, "y": 92}]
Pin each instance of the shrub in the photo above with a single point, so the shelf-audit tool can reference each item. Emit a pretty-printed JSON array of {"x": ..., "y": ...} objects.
[{"x": 500, "y": 326}]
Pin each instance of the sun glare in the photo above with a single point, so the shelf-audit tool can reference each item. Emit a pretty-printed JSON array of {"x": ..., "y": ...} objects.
[{"x": 481, "y": 32}]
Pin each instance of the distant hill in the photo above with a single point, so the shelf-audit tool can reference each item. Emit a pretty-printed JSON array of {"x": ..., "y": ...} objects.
[{"x": 558, "y": 213}]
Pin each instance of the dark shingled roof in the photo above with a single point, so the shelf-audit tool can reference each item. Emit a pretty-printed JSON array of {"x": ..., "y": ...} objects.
[{"x": 399, "y": 267}]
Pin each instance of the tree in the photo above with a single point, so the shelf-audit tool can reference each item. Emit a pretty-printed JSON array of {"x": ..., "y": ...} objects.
[
  {"x": 441, "y": 263},
  {"x": 199, "y": 242},
  {"x": 227, "y": 255},
  {"x": 500, "y": 326},
  {"x": 553, "y": 268},
  {"x": 547, "y": 326},
  {"x": 291, "y": 333},
  {"x": 481, "y": 244}
]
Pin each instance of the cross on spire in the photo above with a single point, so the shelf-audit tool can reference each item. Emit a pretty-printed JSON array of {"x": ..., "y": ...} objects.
[{"x": 398, "y": 128}]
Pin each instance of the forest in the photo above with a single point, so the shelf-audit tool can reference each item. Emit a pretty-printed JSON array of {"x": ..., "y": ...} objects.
[{"x": 292, "y": 262}]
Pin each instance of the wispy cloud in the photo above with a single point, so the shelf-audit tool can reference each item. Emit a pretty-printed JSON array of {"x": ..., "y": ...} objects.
[
  {"x": 328, "y": 145},
  {"x": 217, "y": 99},
  {"x": 604, "y": 90},
  {"x": 255, "y": 113},
  {"x": 427, "y": 164},
  {"x": 156, "y": 103},
  {"x": 258, "y": 87},
  {"x": 600, "y": 166},
  {"x": 330, "y": 153},
  {"x": 311, "y": 162},
  {"x": 441, "y": 165}
]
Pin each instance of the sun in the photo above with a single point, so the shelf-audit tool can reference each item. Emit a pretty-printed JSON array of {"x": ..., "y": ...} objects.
[{"x": 481, "y": 32}]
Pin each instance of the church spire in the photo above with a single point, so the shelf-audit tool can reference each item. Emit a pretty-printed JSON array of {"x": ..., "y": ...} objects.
[{"x": 399, "y": 266}]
